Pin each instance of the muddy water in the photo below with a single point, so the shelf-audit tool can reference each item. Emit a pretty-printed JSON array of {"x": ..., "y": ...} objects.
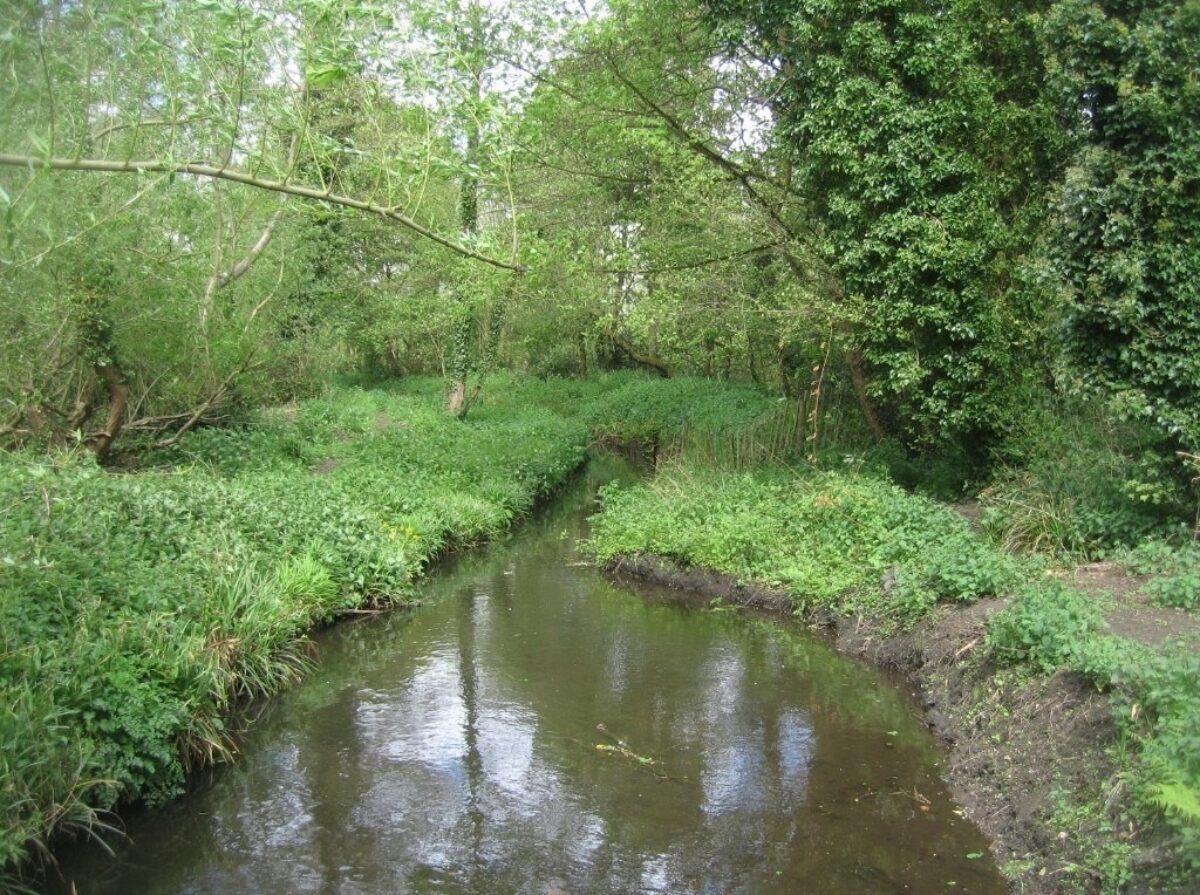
[{"x": 455, "y": 749}]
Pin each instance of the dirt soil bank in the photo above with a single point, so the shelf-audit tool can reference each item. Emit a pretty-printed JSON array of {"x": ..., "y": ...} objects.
[{"x": 1014, "y": 746}]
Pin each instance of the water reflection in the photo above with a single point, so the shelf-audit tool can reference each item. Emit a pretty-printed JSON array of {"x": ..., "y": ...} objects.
[{"x": 455, "y": 750}]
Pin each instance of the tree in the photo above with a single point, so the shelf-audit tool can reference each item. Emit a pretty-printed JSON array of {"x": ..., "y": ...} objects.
[
  {"x": 920, "y": 136},
  {"x": 1129, "y": 223},
  {"x": 203, "y": 92}
]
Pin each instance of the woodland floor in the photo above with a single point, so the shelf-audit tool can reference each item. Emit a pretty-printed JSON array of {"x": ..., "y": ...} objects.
[{"x": 1128, "y": 610}]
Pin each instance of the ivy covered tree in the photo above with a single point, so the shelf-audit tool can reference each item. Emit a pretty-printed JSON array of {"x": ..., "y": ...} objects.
[
  {"x": 923, "y": 141},
  {"x": 1129, "y": 244}
]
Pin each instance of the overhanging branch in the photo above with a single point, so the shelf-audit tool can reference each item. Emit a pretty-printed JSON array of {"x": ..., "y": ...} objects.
[{"x": 203, "y": 169}]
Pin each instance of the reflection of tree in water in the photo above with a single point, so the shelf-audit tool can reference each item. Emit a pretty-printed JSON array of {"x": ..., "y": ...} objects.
[
  {"x": 330, "y": 778},
  {"x": 471, "y": 614}
]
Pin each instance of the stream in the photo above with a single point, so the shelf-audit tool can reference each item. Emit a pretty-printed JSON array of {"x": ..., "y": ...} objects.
[{"x": 536, "y": 728}]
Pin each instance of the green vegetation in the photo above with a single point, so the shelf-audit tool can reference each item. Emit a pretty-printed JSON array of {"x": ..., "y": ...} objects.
[
  {"x": 922, "y": 136},
  {"x": 1130, "y": 204},
  {"x": 1176, "y": 569},
  {"x": 831, "y": 540},
  {"x": 1079, "y": 484},
  {"x": 1155, "y": 692},
  {"x": 952, "y": 245},
  {"x": 138, "y": 610},
  {"x": 943, "y": 216}
]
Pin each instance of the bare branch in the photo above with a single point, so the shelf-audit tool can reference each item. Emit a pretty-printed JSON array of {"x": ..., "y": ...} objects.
[
  {"x": 212, "y": 399},
  {"x": 221, "y": 280},
  {"x": 145, "y": 122}
]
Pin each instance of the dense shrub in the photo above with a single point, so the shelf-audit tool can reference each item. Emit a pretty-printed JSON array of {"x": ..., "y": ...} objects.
[
  {"x": 923, "y": 138},
  {"x": 637, "y": 407},
  {"x": 1129, "y": 232},
  {"x": 1074, "y": 482}
]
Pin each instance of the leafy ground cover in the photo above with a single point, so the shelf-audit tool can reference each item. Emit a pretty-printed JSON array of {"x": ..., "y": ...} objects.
[
  {"x": 828, "y": 539},
  {"x": 137, "y": 609},
  {"x": 855, "y": 543}
]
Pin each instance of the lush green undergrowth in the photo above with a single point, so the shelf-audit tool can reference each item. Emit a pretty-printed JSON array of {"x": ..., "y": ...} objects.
[
  {"x": 661, "y": 410},
  {"x": 829, "y": 539},
  {"x": 1078, "y": 482},
  {"x": 854, "y": 542},
  {"x": 136, "y": 609},
  {"x": 1155, "y": 693}
]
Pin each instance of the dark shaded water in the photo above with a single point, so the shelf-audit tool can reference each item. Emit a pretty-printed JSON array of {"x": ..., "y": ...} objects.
[{"x": 454, "y": 749}]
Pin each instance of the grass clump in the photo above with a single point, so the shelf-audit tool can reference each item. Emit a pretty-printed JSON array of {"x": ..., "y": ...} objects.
[
  {"x": 136, "y": 610},
  {"x": 1076, "y": 483}
]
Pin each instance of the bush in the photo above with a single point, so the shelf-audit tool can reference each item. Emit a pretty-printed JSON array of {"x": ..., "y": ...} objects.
[
  {"x": 1077, "y": 483},
  {"x": 1045, "y": 623}
]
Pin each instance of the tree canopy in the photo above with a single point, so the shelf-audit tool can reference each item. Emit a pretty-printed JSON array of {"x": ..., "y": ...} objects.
[{"x": 922, "y": 214}]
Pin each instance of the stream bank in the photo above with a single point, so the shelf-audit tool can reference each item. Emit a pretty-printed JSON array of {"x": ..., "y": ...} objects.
[
  {"x": 139, "y": 611},
  {"x": 1004, "y": 749},
  {"x": 1078, "y": 739},
  {"x": 534, "y": 728},
  {"x": 1021, "y": 750}
]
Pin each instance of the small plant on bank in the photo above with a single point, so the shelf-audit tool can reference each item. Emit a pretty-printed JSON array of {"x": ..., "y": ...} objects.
[
  {"x": 1176, "y": 567},
  {"x": 1044, "y": 625}
]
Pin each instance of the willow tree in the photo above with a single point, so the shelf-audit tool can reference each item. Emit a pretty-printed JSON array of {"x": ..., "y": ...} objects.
[{"x": 186, "y": 105}]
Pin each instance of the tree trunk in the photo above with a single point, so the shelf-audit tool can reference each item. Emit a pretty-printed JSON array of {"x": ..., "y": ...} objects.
[
  {"x": 646, "y": 360},
  {"x": 583, "y": 355},
  {"x": 859, "y": 379},
  {"x": 472, "y": 46},
  {"x": 458, "y": 398},
  {"x": 118, "y": 401}
]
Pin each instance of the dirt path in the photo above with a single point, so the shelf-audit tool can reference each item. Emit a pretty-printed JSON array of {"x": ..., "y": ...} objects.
[{"x": 1129, "y": 610}]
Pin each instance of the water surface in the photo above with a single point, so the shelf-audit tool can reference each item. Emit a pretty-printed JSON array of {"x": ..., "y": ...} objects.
[{"x": 534, "y": 728}]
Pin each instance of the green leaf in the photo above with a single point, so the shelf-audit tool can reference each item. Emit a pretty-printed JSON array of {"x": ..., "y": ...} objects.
[{"x": 326, "y": 75}]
